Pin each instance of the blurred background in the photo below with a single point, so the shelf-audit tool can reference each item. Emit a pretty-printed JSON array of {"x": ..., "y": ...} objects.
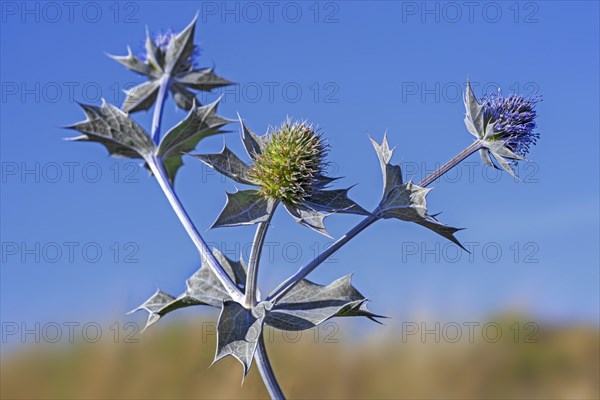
[{"x": 86, "y": 238}]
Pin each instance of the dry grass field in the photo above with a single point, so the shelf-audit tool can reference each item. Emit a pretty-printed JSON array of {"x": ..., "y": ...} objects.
[{"x": 172, "y": 362}]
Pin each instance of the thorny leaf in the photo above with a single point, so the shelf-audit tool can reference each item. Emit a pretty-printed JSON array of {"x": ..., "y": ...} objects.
[
  {"x": 183, "y": 97},
  {"x": 252, "y": 142},
  {"x": 202, "y": 288},
  {"x": 245, "y": 207},
  {"x": 113, "y": 128},
  {"x": 406, "y": 201},
  {"x": 140, "y": 97},
  {"x": 309, "y": 304},
  {"x": 228, "y": 164},
  {"x": 202, "y": 79},
  {"x": 321, "y": 204},
  {"x": 134, "y": 63},
  {"x": 474, "y": 117},
  {"x": 304, "y": 307},
  {"x": 200, "y": 123},
  {"x": 180, "y": 48},
  {"x": 123, "y": 137},
  {"x": 335, "y": 200},
  {"x": 310, "y": 218},
  {"x": 238, "y": 332}
]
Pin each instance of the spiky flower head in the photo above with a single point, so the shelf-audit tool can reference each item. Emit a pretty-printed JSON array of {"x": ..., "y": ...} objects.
[
  {"x": 288, "y": 167},
  {"x": 514, "y": 120},
  {"x": 169, "y": 60},
  {"x": 161, "y": 42},
  {"x": 291, "y": 164},
  {"x": 503, "y": 126}
]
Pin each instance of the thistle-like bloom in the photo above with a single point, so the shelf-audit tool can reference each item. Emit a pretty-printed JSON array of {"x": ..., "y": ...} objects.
[
  {"x": 514, "y": 120},
  {"x": 169, "y": 60},
  {"x": 288, "y": 167},
  {"x": 505, "y": 127},
  {"x": 161, "y": 42}
]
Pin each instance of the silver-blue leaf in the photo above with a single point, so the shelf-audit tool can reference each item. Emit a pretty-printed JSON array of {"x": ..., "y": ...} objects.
[
  {"x": 244, "y": 207},
  {"x": 406, "y": 201},
  {"x": 202, "y": 288},
  {"x": 140, "y": 97},
  {"x": 238, "y": 332},
  {"x": 200, "y": 123},
  {"x": 309, "y": 304},
  {"x": 114, "y": 129},
  {"x": 228, "y": 164}
]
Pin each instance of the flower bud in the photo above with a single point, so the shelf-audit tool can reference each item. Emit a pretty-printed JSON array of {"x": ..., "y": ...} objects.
[{"x": 291, "y": 164}]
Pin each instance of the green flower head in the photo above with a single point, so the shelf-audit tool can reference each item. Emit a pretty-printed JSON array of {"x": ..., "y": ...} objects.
[
  {"x": 288, "y": 167},
  {"x": 291, "y": 164}
]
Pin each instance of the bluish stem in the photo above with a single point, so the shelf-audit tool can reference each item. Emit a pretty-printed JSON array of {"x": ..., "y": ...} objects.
[
  {"x": 266, "y": 371},
  {"x": 158, "y": 171},
  {"x": 255, "y": 253},
  {"x": 163, "y": 89},
  {"x": 293, "y": 280},
  {"x": 261, "y": 356},
  {"x": 156, "y": 166},
  {"x": 476, "y": 145}
]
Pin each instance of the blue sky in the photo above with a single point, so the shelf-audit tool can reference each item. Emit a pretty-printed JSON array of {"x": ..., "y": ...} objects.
[{"x": 352, "y": 69}]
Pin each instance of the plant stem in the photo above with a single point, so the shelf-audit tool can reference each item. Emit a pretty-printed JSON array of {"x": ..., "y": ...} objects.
[
  {"x": 156, "y": 166},
  {"x": 249, "y": 300},
  {"x": 476, "y": 145},
  {"x": 266, "y": 371},
  {"x": 163, "y": 89},
  {"x": 262, "y": 359},
  {"x": 293, "y": 280},
  {"x": 158, "y": 171},
  {"x": 253, "y": 263}
]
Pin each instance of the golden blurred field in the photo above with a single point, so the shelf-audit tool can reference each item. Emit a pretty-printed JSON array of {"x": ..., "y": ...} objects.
[{"x": 172, "y": 361}]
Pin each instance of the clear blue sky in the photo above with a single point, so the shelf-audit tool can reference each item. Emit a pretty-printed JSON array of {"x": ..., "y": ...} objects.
[{"x": 355, "y": 70}]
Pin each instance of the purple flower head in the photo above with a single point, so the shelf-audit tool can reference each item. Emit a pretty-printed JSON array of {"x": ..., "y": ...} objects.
[
  {"x": 168, "y": 60},
  {"x": 161, "y": 41},
  {"x": 514, "y": 119}
]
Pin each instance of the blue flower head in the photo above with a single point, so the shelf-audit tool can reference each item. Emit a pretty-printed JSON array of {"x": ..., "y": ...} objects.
[
  {"x": 504, "y": 127},
  {"x": 514, "y": 120},
  {"x": 169, "y": 58},
  {"x": 161, "y": 41}
]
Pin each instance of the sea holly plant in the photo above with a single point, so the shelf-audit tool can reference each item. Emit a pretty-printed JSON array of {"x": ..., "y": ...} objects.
[{"x": 284, "y": 167}]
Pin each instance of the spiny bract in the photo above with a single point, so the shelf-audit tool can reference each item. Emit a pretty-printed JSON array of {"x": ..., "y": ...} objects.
[
  {"x": 291, "y": 164},
  {"x": 161, "y": 42}
]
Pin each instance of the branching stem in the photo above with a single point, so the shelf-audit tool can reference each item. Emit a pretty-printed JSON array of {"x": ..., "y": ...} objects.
[
  {"x": 262, "y": 359},
  {"x": 293, "y": 280},
  {"x": 156, "y": 166},
  {"x": 249, "y": 300},
  {"x": 158, "y": 171}
]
